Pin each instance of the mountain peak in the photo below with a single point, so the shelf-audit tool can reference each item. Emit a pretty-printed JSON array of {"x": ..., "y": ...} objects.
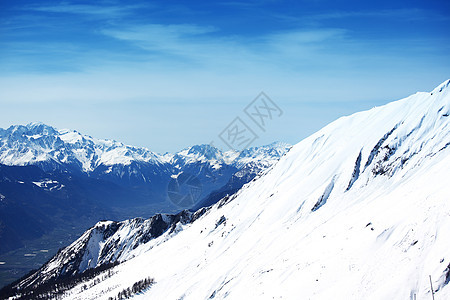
[
  {"x": 41, "y": 128},
  {"x": 31, "y": 129},
  {"x": 441, "y": 87},
  {"x": 275, "y": 149},
  {"x": 206, "y": 150}
]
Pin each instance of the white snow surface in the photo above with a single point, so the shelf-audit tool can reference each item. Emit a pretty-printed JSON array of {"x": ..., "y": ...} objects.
[
  {"x": 358, "y": 210},
  {"x": 49, "y": 184}
]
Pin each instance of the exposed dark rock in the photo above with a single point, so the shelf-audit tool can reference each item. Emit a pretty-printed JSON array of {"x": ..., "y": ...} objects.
[{"x": 356, "y": 170}]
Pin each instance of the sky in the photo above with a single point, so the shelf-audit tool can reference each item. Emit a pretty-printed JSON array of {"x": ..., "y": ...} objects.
[{"x": 169, "y": 74}]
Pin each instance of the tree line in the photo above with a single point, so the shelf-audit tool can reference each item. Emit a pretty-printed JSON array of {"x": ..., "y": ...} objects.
[
  {"x": 55, "y": 288},
  {"x": 137, "y": 287}
]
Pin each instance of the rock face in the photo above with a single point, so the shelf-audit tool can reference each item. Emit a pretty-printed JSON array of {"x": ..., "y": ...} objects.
[
  {"x": 358, "y": 210},
  {"x": 105, "y": 243}
]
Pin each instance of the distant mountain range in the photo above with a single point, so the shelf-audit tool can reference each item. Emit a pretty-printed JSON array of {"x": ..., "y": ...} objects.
[
  {"x": 358, "y": 210},
  {"x": 62, "y": 180}
]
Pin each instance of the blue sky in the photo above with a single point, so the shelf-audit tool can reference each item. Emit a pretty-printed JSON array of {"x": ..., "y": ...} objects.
[{"x": 168, "y": 74}]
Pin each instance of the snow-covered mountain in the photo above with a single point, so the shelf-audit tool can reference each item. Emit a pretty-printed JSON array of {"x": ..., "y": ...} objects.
[
  {"x": 43, "y": 145},
  {"x": 56, "y": 183},
  {"x": 39, "y": 143},
  {"x": 358, "y": 210},
  {"x": 70, "y": 151}
]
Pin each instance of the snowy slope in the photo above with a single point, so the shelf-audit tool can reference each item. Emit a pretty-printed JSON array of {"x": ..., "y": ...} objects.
[{"x": 359, "y": 210}]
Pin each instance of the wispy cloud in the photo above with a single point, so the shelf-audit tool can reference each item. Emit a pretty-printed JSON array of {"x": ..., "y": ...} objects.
[
  {"x": 405, "y": 14},
  {"x": 191, "y": 50},
  {"x": 159, "y": 35},
  {"x": 246, "y": 4},
  {"x": 174, "y": 41},
  {"x": 402, "y": 14},
  {"x": 206, "y": 45},
  {"x": 164, "y": 64},
  {"x": 98, "y": 11}
]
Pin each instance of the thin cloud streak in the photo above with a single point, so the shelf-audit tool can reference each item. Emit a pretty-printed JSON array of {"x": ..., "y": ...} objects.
[
  {"x": 201, "y": 45},
  {"x": 85, "y": 9},
  {"x": 407, "y": 14},
  {"x": 404, "y": 14}
]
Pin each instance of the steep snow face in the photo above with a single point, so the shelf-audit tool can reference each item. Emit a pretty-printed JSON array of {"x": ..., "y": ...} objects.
[{"x": 359, "y": 210}]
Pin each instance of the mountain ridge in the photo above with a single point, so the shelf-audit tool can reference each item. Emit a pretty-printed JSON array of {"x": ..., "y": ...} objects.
[{"x": 48, "y": 143}]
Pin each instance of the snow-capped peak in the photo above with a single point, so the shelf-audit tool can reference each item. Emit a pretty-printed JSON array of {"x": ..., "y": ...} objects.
[
  {"x": 201, "y": 152},
  {"x": 38, "y": 143},
  {"x": 33, "y": 130},
  {"x": 441, "y": 87}
]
